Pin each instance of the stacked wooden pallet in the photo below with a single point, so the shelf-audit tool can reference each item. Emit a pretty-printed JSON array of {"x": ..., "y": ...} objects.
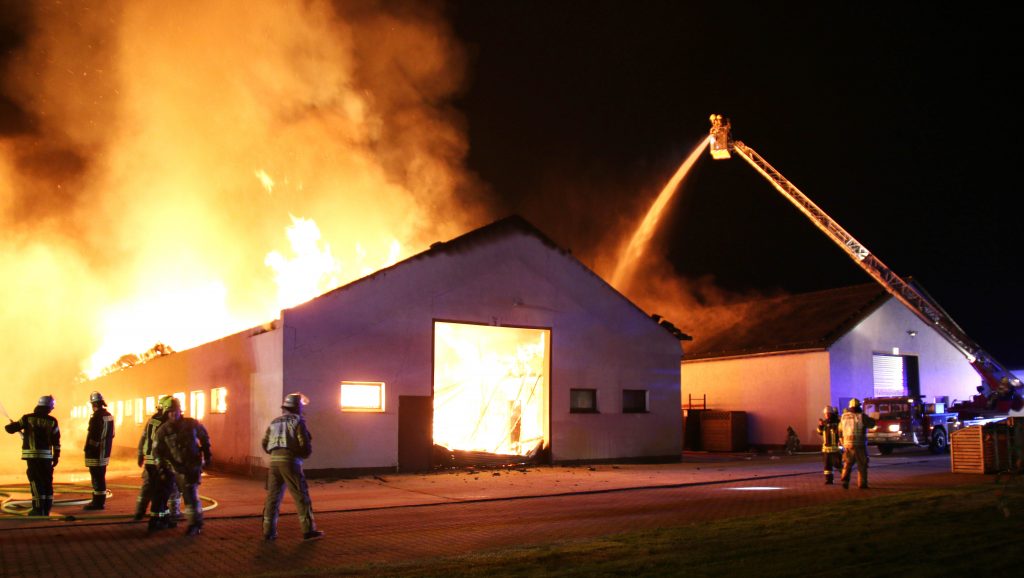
[{"x": 980, "y": 449}]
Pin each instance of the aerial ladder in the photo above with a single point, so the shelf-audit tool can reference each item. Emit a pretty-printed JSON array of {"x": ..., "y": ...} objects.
[{"x": 722, "y": 146}]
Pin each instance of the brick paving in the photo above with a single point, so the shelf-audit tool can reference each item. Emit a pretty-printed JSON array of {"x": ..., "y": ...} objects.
[{"x": 410, "y": 517}]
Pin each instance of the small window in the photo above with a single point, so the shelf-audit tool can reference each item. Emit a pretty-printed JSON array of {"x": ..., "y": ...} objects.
[
  {"x": 362, "y": 396},
  {"x": 634, "y": 401},
  {"x": 180, "y": 396},
  {"x": 198, "y": 401},
  {"x": 582, "y": 401},
  {"x": 150, "y": 405},
  {"x": 219, "y": 400},
  {"x": 118, "y": 412},
  {"x": 139, "y": 413}
]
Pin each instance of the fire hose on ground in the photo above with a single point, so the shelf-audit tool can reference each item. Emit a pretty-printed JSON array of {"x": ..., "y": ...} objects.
[{"x": 10, "y": 506}]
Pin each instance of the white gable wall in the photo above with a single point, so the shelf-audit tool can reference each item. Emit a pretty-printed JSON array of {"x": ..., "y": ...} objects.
[
  {"x": 381, "y": 329},
  {"x": 943, "y": 369}
]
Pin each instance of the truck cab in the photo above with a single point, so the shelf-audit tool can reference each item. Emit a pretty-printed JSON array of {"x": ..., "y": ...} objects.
[{"x": 908, "y": 421}]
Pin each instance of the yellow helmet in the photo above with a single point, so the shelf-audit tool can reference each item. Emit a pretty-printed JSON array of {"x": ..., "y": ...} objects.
[{"x": 854, "y": 403}]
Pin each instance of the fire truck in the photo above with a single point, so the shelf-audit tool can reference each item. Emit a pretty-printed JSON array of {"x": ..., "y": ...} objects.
[{"x": 909, "y": 422}]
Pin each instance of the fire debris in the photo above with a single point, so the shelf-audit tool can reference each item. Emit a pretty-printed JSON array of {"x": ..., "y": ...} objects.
[{"x": 132, "y": 359}]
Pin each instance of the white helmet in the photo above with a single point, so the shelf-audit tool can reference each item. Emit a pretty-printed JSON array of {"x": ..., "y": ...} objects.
[{"x": 96, "y": 397}]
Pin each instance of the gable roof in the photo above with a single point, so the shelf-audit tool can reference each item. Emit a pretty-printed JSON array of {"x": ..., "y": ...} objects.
[{"x": 786, "y": 323}]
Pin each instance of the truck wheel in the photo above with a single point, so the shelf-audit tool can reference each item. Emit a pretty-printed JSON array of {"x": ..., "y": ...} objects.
[
  {"x": 939, "y": 442},
  {"x": 885, "y": 450}
]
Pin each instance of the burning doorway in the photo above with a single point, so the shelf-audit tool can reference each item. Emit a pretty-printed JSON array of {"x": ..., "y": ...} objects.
[{"x": 491, "y": 390}]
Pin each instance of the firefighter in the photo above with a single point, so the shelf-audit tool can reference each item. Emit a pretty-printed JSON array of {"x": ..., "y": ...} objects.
[
  {"x": 40, "y": 448},
  {"x": 288, "y": 442},
  {"x": 831, "y": 452},
  {"x": 183, "y": 444},
  {"x": 98, "y": 442},
  {"x": 158, "y": 485},
  {"x": 853, "y": 427}
]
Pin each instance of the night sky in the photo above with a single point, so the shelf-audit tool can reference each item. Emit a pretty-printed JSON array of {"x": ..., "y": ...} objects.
[{"x": 898, "y": 119}]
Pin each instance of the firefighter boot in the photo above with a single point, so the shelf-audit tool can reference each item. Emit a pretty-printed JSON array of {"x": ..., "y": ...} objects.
[
  {"x": 194, "y": 529},
  {"x": 140, "y": 510},
  {"x": 37, "y": 509},
  {"x": 829, "y": 479},
  {"x": 97, "y": 503},
  {"x": 175, "y": 507},
  {"x": 45, "y": 504}
]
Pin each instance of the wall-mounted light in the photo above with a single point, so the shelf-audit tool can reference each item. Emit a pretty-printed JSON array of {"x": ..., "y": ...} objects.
[{"x": 912, "y": 333}]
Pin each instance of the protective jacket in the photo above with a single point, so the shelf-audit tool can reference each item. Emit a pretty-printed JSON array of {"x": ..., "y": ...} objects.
[
  {"x": 41, "y": 439},
  {"x": 288, "y": 439},
  {"x": 854, "y": 426},
  {"x": 147, "y": 443},
  {"x": 828, "y": 429},
  {"x": 183, "y": 444},
  {"x": 100, "y": 438}
]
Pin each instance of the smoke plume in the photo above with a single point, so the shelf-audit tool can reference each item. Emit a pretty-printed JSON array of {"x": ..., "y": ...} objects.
[{"x": 153, "y": 153}]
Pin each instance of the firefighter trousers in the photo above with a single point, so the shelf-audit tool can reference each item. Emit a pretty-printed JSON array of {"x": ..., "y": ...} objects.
[
  {"x": 281, "y": 474},
  {"x": 157, "y": 492},
  {"x": 188, "y": 484},
  {"x": 40, "y": 480},
  {"x": 831, "y": 461},
  {"x": 856, "y": 455},
  {"x": 98, "y": 475}
]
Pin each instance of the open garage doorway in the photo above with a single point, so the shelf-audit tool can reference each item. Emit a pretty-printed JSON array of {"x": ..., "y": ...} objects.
[{"x": 491, "y": 395}]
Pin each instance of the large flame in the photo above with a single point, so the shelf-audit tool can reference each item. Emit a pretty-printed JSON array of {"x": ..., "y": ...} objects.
[{"x": 128, "y": 201}]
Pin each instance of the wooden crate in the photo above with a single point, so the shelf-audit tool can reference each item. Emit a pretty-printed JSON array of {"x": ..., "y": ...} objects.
[
  {"x": 723, "y": 431},
  {"x": 980, "y": 449}
]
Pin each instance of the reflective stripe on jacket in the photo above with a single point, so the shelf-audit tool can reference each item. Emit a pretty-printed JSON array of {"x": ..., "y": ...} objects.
[
  {"x": 100, "y": 438},
  {"x": 41, "y": 436},
  {"x": 287, "y": 439},
  {"x": 829, "y": 432},
  {"x": 147, "y": 443}
]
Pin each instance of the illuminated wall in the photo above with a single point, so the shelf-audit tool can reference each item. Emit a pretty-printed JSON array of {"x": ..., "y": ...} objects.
[
  {"x": 791, "y": 388},
  {"x": 381, "y": 329},
  {"x": 378, "y": 335}
]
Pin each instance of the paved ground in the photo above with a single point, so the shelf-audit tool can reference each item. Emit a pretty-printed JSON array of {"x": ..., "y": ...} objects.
[{"x": 409, "y": 517}]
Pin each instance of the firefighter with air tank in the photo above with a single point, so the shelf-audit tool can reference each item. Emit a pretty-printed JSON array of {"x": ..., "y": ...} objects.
[
  {"x": 40, "y": 448},
  {"x": 156, "y": 481},
  {"x": 831, "y": 451},
  {"x": 183, "y": 444},
  {"x": 288, "y": 442},
  {"x": 99, "y": 440},
  {"x": 854, "y": 426}
]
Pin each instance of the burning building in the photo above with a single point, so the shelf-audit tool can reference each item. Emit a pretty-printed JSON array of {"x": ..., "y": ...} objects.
[
  {"x": 785, "y": 358},
  {"x": 495, "y": 343}
]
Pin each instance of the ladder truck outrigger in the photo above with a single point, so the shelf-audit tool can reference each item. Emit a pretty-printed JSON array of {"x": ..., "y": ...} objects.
[{"x": 1003, "y": 389}]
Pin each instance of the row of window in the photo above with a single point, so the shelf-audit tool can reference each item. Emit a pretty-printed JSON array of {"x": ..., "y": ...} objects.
[
  {"x": 139, "y": 409},
  {"x": 585, "y": 401},
  {"x": 355, "y": 396}
]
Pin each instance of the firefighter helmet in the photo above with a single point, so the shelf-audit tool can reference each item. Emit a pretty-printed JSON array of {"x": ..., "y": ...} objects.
[
  {"x": 854, "y": 403},
  {"x": 47, "y": 401},
  {"x": 164, "y": 403},
  {"x": 294, "y": 401},
  {"x": 829, "y": 410},
  {"x": 96, "y": 397},
  {"x": 171, "y": 403}
]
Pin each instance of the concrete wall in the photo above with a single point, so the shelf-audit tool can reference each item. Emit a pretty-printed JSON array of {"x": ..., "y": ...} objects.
[
  {"x": 244, "y": 363},
  {"x": 944, "y": 371},
  {"x": 776, "y": 391},
  {"x": 381, "y": 329}
]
